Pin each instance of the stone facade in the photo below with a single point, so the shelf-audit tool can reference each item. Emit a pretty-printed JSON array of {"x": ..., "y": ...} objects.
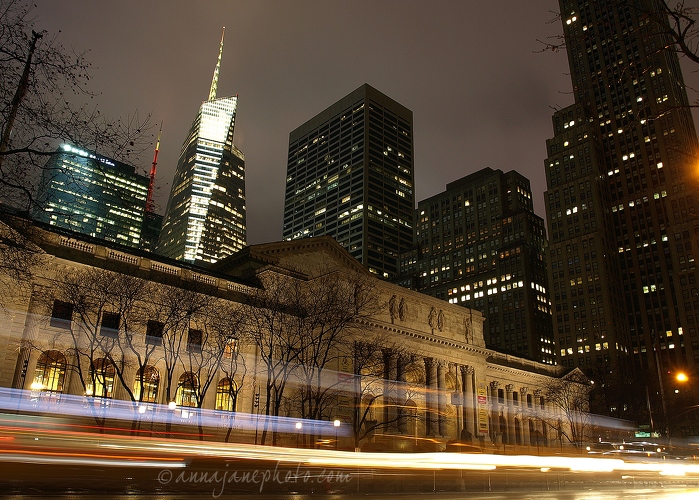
[{"x": 442, "y": 386}]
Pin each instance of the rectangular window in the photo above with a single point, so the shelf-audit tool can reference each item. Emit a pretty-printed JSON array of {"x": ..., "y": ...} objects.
[
  {"x": 194, "y": 340},
  {"x": 62, "y": 314},
  {"x": 154, "y": 332},
  {"x": 231, "y": 347},
  {"x": 110, "y": 324}
]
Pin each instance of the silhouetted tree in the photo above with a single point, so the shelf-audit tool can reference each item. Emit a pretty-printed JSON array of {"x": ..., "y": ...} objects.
[
  {"x": 570, "y": 395},
  {"x": 675, "y": 23},
  {"x": 106, "y": 311},
  {"x": 43, "y": 89},
  {"x": 338, "y": 305},
  {"x": 276, "y": 318}
]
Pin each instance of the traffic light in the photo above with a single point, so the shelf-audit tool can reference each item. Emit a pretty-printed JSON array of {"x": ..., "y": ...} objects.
[
  {"x": 256, "y": 402},
  {"x": 25, "y": 363}
]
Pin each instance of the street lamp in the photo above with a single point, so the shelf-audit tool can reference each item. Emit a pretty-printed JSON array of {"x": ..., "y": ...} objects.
[
  {"x": 660, "y": 384},
  {"x": 299, "y": 425},
  {"x": 336, "y": 424}
]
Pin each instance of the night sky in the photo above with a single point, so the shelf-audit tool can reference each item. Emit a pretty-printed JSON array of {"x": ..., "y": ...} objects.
[{"x": 481, "y": 91}]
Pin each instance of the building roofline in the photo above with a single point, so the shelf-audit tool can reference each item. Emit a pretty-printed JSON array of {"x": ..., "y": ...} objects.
[{"x": 366, "y": 92}]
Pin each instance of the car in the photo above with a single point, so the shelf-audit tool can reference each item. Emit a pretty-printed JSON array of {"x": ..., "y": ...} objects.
[
  {"x": 637, "y": 450},
  {"x": 600, "y": 447}
]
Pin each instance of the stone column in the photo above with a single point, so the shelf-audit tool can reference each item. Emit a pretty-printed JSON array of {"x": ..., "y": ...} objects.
[
  {"x": 468, "y": 406},
  {"x": 494, "y": 414},
  {"x": 401, "y": 394},
  {"x": 509, "y": 401},
  {"x": 74, "y": 384},
  {"x": 472, "y": 406},
  {"x": 457, "y": 400},
  {"x": 31, "y": 357},
  {"x": 525, "y": 415},
  {"x": 209, "y": 402},
  {"x": 430, "y": 396},
  {"x": 389, "y": 390},
  {"x": 120, "y": 391},
  {"x": 442, "y": 397},
  {"x": 537, "y": 423}
]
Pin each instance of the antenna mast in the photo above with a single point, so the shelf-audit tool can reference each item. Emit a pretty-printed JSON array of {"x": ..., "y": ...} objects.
[
  {"x": 214, "y": 80},
  {"x": 149, "y": 201}
]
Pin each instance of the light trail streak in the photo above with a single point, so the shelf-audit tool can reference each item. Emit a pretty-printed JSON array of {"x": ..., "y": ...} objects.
[
  {"x": 425, "y": 461},
  {"x": 77, "y": 447},
  {"x": 37, "y": 435},
  {"x": 36, "y": 402},
  {"x": 68, "y": 460}
]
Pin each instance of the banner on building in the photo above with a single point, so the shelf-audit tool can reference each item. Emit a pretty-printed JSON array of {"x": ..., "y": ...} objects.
[{"x": 482, "y": 408}]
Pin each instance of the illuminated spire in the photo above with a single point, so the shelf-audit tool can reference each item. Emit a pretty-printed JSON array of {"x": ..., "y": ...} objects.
[{"x": 214, "y": 81}]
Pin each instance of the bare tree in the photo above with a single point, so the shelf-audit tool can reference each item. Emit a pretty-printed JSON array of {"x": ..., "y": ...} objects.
[
  {"x": 40, "y": 82},
  {"x": 174, "y": 311},
  {"x": 18, "y": 256},
  {"x": 371, "y": 389},
  {"x": 43, "y": 90},
  {"x": 337, "y": 305},
  {"x": 218, "y": 327},
  {"x": 226, "y": 322},
  {"x": 675, "y": 24},
  {"x": 105, "y": 308},
  {"x": 569, "y": 395},
  {"x": 276, "y": 317}
]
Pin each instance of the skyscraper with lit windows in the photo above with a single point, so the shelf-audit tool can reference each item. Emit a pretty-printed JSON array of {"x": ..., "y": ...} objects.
[
  {"x": 621, "y": 204},
  {"x": 480, "y": 245},
  {"x": 350, "y": 176},
  {"x": 205, "y": 216},
  {"x": 92, "y": 194}
]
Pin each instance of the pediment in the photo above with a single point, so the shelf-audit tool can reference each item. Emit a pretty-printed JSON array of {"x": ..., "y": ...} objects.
[{"x": 307, "y": 256}]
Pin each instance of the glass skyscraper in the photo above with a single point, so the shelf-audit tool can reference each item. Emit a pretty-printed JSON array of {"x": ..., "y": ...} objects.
[
  {"x": 94, "y": 195},
  {"x": 205, "y": 215},
  {"x": 350, "y": 176}
]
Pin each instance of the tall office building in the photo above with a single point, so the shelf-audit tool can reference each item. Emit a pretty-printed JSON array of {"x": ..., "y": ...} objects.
[
  {"x": 205, "y": 215},
  {"x": 94, "y": 195},
  {"x": 350, "y": 176},
  {"x": 622, "y": 205},
  {"x": 480, "y": 245}
]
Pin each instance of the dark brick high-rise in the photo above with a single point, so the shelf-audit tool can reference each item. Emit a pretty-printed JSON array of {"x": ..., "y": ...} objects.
[{"x": 621, "y": 206}]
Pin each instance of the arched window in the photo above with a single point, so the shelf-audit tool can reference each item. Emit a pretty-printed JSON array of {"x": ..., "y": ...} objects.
[
  {"x": 101, "y": 382},
  {"x": 226, "y": 393},
  {"x": 145, "y": 387},
  {"x": 187, "y": 388},
  {"x": 50, "y": 372}
]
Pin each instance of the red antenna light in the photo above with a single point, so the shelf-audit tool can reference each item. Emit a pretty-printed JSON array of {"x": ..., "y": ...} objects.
[{"x": 149, "y": 201}]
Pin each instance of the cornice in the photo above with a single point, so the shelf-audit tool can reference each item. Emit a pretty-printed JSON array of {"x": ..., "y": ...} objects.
[
  {"x": 518, "y": 372},
  {"x": 416, "y": 334}
]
